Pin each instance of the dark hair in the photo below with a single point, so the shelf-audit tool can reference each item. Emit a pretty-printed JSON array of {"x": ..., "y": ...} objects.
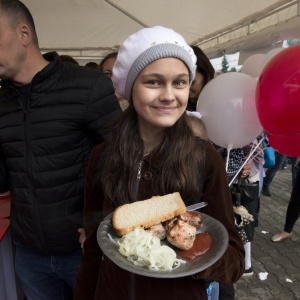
[
  {"x": 204, "y": 66},
  {"x": 69, "y": 59},
  {"x": 92, "y": 64},
  {"x": 108, "y": 56},
  {"x": 175, "y": 162},
  {"x": 17, "y": 12}
]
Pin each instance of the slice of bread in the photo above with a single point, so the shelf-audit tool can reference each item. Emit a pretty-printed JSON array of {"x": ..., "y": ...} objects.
[{"x": 143, "y": 214}]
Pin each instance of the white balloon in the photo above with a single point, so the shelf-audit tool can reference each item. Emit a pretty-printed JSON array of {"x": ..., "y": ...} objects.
[
  {"x": 228, "y": 108},
  {"x": 269, "y": 55},
  {"x": 252, "y": 65}
]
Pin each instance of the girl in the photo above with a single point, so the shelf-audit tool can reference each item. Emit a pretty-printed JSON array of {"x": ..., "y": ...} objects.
[{"x": 153, "y": 151}]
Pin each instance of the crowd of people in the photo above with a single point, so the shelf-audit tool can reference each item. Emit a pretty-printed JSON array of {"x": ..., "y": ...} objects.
[{"x": 79, "y": 141}]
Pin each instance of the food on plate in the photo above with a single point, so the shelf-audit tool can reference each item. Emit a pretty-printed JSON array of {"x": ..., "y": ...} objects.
[
  {"x": 144, "y": 250},
  {"x": 181, "y": 230},
  {"x": 146, "y": 213},
  {"x": 190, "y": 217},
  {"x": 201, "y": 245},
  {"x": 143, "y": 224},
  {"x": 182, "y": 235},
  {"x": 162, "y": 216},
  {"x": 157, "y": 230},
  {"x": 193, "y": 218}
]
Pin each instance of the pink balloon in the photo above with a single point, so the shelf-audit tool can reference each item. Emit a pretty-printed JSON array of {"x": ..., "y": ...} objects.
[
  {"x": 278, "y": 93},
  {"x": 286, "y": 144},
  {"x": 227, "y": 106},
  {"x": 252, "y": 65}
]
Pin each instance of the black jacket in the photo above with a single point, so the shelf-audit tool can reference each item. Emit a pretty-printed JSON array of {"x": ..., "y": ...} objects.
[{"x": 45, "y": 149}]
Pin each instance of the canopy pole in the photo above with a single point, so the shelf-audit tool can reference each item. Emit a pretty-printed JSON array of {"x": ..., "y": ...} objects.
[{"x": 126, "y": 13}]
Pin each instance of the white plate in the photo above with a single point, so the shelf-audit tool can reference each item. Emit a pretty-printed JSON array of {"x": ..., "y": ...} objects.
[{"x": 218, "y": 246}]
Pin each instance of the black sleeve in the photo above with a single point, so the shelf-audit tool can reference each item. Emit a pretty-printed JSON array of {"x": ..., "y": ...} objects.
[{"x": 103, "y": 109}]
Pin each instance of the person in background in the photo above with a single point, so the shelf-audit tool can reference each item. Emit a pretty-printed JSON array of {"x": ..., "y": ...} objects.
[
  {"x": 204, "y": 73},
  {"x": 227, "y": 291},
  {"x": 51, "y": 115},
  {"x": 250, "y": 172},
  {"x": 293, "y": 210},
  {"x": 152, "y": 152},
  {"x": 295, "y": 167},
  {"x": 271, "y": 172},
  {"x": 92, "y": 65},
  {"x": 68, "y": 59},
  {"x": 107, "y": 63},
  {"x": 284, "y": 167},
  {"x": 197, "y": 124},
  {"x": 199, "y": 130},
  {"x": 106, "y": 66}
]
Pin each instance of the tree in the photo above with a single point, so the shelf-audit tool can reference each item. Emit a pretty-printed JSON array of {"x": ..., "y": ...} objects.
[
  {"x": 225, "y": 65},
  {"x": 293, "y": 42},
  {"x": 233, "y": 69}
]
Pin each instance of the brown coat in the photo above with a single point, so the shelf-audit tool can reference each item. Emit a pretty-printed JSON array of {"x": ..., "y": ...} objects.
[{"x": 111, "y": 282}]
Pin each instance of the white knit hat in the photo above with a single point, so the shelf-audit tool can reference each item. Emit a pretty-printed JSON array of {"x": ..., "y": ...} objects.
[{"x": 144, "y": 47}]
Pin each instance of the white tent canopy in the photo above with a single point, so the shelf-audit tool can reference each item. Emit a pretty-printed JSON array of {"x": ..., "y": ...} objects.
[{"x": 89, "y": 29}]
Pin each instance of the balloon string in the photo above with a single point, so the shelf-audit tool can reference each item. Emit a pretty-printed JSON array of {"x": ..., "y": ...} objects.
[
  {"x": 229, "y": 147},
  {"x": 258, "y": 153},
  {"x": 246, "y": 161},
  {"x": 265, "y": 137}
]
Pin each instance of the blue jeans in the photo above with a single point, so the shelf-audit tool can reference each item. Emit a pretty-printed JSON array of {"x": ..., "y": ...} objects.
[
  {"x": 47, "y": 277},
  {"x": 270, "y": 173}
]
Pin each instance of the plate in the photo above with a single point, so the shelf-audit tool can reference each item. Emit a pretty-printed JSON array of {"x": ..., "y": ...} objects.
[{"x": 218, "y": 246}]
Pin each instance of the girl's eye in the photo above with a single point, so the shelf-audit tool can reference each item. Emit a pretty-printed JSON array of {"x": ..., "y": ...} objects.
[
  {"x": 180, "y": 83},
  {"x": 107, "y": 73},
  {"x": 152, "y": 82}
]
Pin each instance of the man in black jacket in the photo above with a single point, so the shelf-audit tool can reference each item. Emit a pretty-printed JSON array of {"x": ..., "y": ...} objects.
[{"x": 51, "y": 115}]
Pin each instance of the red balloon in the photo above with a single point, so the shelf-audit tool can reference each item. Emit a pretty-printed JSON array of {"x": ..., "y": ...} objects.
[
  {"x": 286, "y": 144},
  {"x": 278, "y": 93}
]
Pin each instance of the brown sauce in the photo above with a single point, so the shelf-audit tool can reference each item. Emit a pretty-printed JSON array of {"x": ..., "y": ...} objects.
[{"x": 201, "y": 245}]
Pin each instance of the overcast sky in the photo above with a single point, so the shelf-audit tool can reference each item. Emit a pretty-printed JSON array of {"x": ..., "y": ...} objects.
[{"x": 231, "y": 58}]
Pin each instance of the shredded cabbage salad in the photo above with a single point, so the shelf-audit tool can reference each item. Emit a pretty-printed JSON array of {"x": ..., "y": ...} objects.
[{"x": 143, "y": 249}]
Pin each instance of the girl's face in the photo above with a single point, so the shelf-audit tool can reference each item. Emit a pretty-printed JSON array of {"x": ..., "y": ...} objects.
[
  {"x": 108, "y": 66},
  {"x": 160, "y": 93},
  {"x": 196, "y": 87}
]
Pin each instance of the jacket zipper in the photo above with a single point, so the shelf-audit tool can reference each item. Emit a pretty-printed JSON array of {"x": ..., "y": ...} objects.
[
  {"x": 132, "y": 286},
  {"x": 28, "y": 172},
  {"x": 132, "y": 276},
  {"x": 138, "y": 177}
]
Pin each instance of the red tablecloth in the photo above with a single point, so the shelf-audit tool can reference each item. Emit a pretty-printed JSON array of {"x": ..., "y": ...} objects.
[
  {"x": 4, "y": 208},
  {"x": 4, "y": 224},
  {"x": 4, "y": 213}
]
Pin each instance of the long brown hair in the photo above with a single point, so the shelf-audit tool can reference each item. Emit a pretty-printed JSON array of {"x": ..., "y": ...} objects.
[{"x": 174, "y": 162}]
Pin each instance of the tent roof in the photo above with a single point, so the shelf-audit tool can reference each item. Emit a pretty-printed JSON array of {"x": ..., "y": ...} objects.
[{"x": 89, "y": 29}]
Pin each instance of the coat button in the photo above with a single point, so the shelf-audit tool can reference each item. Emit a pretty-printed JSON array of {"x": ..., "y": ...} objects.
[{"x": 147, "y": 175}]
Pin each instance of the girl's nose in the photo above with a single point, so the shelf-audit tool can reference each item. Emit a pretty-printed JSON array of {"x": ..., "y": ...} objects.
[{"x": 167, "y": 94}]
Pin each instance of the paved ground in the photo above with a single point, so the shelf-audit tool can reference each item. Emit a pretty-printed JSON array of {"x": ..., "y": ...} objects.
[{"x": 280, "y": 260}]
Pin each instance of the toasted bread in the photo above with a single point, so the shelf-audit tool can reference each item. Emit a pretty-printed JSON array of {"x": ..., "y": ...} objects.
[{"x": 143, "y": 214}]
